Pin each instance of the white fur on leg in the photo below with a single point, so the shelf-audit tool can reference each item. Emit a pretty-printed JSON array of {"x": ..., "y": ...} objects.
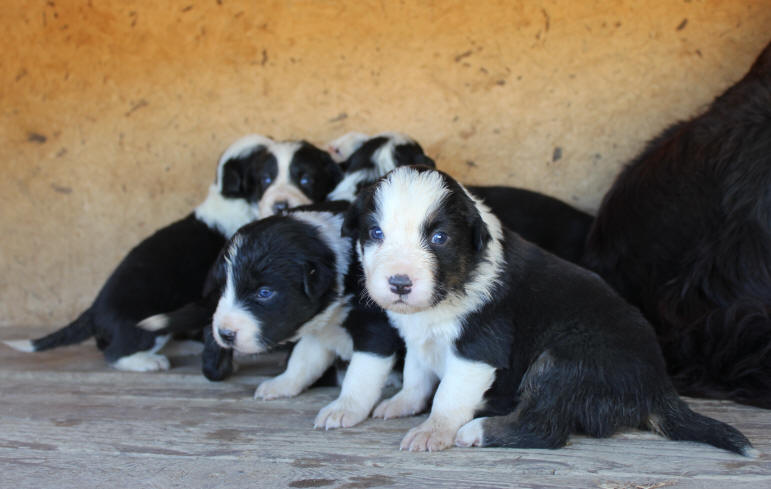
[
  {"x": 364, "y": 381},
  {"x": 418, "y": 385},
  {"x": 459, "y": 395},
  {"x": 471, "y": 434},
  {"x": 154, "y": 323},
  {"x": 21, "y": 345},
  {"x": 142, "y": 361},
  {"x": 309, "y": 359}
]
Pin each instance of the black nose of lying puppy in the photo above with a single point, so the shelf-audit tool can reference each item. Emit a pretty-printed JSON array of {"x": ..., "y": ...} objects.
[
  {"x": 227, "y": 336},
  {"x": 400, "y": 284},
  {"x": 280, "y": 206}
]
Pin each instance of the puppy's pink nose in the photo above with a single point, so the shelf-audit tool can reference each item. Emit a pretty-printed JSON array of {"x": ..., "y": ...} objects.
[{"x": 400, "y": 284}]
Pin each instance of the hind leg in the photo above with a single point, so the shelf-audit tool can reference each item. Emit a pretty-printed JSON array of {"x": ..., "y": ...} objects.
[
  {"x": 135, "y": 350},
  {"x": 520, "y": 429}
]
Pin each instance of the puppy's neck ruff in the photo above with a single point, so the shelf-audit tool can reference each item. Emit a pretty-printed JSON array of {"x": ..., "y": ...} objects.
[{"x": 223, "y": 214}]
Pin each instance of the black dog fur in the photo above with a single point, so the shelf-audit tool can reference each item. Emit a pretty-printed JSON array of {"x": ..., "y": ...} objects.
[{"x": 685, "y": 234}]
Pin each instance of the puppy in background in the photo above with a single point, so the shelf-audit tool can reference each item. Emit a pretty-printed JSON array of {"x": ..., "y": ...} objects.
[
  {"x": 506, "y": 330},
  {"x": 169, "y": 268},
  {"x": 685, "y": 234},
  {"x": 544, "y": 220}
]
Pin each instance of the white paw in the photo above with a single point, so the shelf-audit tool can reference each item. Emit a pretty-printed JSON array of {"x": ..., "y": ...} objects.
[
  {"x": 429, "y": 436},
  {"x": 470, "y": 434},
  {"x": 398, "y": 406},
  {"x": 340, "y": 413},
  {"x": 276, "y": 388},
  {"x": 142, "y": 361}
]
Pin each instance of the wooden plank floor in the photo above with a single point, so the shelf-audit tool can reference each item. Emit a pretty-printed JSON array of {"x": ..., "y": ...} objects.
[{"x": 67, "y": 420}]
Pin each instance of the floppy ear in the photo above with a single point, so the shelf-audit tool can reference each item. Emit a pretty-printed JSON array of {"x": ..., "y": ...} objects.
[
  {"x": 480, "y": 235},
  {"x": 215, "y": 279},
  {"x": 231, "y": 178},
  {"x": 426, "y": 161},
  {"x": 317, "y": 279},
  {"x": 334, "y": 170},
  {"x": 411, "y": 154},
  {"x": 350, "y": 227}
]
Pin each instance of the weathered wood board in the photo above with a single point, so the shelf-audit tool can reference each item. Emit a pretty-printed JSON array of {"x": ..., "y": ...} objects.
[{"x": 69, "y": 421}]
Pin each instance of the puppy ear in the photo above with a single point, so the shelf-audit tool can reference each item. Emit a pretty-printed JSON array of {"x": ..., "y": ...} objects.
[
  {"x": 411, "y": 154},
  {"x": 480, "y": 235},
  {"x": 350, "y": 227},
  {"x": 317, "y": 279},
  {"x": 217, "y": 275},
  {"x": 231, "y": 178},
  {"x": 334, "y": 170}
]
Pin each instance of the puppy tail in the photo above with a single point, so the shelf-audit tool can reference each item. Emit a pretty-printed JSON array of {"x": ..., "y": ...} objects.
[
  {"x": 77, "y": 331},
  {"x": 675, "y": 420},
  {"x": 190, "y": 317}
]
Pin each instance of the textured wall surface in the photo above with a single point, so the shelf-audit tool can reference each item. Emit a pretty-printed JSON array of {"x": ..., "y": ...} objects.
[{"x": 113, "y": 113}]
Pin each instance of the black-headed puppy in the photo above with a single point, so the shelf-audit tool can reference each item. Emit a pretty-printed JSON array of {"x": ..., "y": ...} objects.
[
  {"x": 685, "y": 234},
  {"x": 292, "y": 278},
  {"x": 506, "y": 330},
  {"x": 168, "y": 269}
]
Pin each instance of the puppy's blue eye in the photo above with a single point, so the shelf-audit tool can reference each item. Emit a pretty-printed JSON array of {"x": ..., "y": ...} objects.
[
  {"x": 376, "y": 233},
  {"x": 264, "y": 293},
  {"x": 305, "y": 181},
  {"x": 267, "y": 180},
  {"x": 439, "y": 238}
]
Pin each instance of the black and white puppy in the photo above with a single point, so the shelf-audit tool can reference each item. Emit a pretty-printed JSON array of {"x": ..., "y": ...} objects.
[
  {"x": 291, "y": 278},
  {"x": 168, "y": 269},
  {"x": 546, "y": 221},
  {"x": 369, "y": 159},
  {"x": 685, "y": 234},
  {"x": 506, "y": 329},
  {"x": 341, "y": 148}
]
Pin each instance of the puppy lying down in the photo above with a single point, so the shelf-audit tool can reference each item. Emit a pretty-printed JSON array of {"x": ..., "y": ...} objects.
[
  {"x": 510, "y": 345},
  {"x": 256, "y": 176}
]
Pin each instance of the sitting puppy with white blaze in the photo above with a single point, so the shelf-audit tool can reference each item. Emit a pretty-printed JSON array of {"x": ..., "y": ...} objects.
[{"x": 506, "y": 329}]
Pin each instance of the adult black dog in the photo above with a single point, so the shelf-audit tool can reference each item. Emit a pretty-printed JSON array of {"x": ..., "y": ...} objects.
[
  {"x": 506, "y": 329},
  {"x": 685, "y": 234}
]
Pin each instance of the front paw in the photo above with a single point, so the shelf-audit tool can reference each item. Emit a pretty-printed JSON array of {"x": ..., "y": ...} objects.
[
  {"x": 276, "y": 388},
  {"x": 399, "y": 406},
  {"x": 471, "y": 434},
  {"x": 340, "y": 413},
  {"x": 429, "y": 436}
]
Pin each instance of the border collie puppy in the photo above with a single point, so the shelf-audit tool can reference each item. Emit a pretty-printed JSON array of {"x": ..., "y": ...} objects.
[
  {"x": 342, "y": 148},
  {"x": 292, "y": 278},
  {"x": 546, "y": 221},
  {"x": 168, "y": 269},
  {"x": 685, "y": 234},
  {"x": 373, "y": 158},
  {"x": 541, "y": 346}
]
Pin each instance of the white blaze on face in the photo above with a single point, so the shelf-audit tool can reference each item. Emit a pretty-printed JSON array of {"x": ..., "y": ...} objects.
[
  {"x": 404, "y": 202},
  {"x": 282, "y": 189},
  {"x": 231, "y": 316}
]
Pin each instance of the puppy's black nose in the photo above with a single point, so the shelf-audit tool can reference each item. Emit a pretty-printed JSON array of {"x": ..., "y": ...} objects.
[
  {"x": 400, "y": 284},
  {"x": 227, "y": 335},
  {"x": 280, "y": 206}
]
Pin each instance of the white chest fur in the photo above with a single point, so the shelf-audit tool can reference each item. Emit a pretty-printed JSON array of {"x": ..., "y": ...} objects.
[{"x": 430, "y": 335}]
